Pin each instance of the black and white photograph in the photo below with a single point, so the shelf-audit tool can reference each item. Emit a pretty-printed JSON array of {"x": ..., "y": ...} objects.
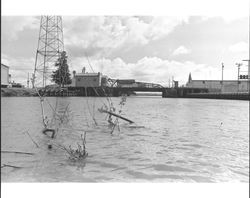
[{"x": 125, "y": 98}]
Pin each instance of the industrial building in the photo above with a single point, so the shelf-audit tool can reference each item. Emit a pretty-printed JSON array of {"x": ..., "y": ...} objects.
[
  {"x": 86, "y": 79},
  {"x": 5, "y": 76},
  {"x": 225, "y": 86}
]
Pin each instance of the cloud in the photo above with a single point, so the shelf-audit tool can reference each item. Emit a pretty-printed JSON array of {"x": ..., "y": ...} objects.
[
  {"x": 12, "y": 25},
  {"x": 147, "y": 69},
  {"x": 146, "y": 48},
  {"x": 239, "y": 47},
  {"x": 19, "y": 67},
  {"x": 5, "y": 60},
  {"x": 106, "y": 34},
  {"x": 181, "y": 50}
]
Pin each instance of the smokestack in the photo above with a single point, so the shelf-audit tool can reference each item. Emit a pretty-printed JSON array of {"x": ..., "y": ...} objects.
[
  {"x": 83, "y": 70},
  {"x": 74, "y": 73}
]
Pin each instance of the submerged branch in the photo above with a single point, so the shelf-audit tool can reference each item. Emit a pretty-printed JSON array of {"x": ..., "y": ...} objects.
[
  {"x": 7, "y": 165},
  {"x": 116, "y": 115},
  {"x": 17, "y": 152}
]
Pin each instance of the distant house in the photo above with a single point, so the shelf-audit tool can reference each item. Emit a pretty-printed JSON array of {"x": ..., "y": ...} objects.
[
  {"x": 4, "y": 75},
  {"x": 224, "y": 86}
]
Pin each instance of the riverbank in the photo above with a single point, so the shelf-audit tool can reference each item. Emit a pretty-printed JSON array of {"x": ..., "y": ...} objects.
[
  {"x": 24, "y": 92},
  {"x": 17, "y": 92},
  {"x": 229, "y": 96}
]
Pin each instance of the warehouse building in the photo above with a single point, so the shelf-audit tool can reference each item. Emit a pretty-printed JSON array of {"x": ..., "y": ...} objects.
[
  {"x": 86, "y": 79},
  {"x": 225, "y": 86},
  {"x": 5, "y": 76}
]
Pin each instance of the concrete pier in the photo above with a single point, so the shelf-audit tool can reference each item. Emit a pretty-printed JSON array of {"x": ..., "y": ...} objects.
[{"x": 230, "y": 96}]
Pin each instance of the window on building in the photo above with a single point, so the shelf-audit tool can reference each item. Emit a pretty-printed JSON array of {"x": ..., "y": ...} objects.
[
  {"x": 94, "y": 79},
  {"x": 79, "y": 79},
  {"x": 203, "y": 81}
]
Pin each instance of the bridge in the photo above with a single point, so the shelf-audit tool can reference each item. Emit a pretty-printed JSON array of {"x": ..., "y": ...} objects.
[
  {"x": 128, "y": 86},
  {"x": 130, "y": 83}
]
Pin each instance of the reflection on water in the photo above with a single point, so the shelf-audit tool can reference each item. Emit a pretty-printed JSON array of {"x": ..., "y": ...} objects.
[{"x": 173, "y": 140}]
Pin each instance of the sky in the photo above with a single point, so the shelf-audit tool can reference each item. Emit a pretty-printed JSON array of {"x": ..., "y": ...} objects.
[{"x": 145, "y": 48}]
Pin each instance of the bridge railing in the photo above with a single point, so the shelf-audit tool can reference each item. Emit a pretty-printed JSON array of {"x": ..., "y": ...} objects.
[
  {"x": 149, "y": 85},
  {"x": 115, "y": 83}
]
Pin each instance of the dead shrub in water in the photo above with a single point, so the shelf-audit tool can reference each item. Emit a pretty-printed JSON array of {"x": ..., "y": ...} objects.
[{"x": 79, "y": 153}]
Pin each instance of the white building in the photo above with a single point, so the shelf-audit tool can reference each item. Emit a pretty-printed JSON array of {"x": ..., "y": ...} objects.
[
  {"x": 224, "y": 86},
  {"x": 4, "y": 75}
]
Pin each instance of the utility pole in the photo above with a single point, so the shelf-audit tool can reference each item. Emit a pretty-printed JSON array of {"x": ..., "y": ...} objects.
[
  {"x": 28, "y": 81},
  {"x": 33, "y": 81},
  {"x": 248, "y": 74},
  {"x": 238, "y": 65},
  {"x": 222, "y": 68}
]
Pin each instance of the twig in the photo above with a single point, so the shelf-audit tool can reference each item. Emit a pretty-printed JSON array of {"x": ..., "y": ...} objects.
[
  {"x": 17, "y": 152},
  {"x": 32, "y": 139},
  {"x": 62, "y": 117},
  {"x": 92, "y": 116}
]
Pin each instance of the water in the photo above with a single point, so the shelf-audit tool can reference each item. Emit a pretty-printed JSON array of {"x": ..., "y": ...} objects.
[{"x": 173, "y": 140}]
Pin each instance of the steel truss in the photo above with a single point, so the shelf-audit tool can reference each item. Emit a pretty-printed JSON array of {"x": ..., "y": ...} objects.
[{"x": 50, "y": 47}]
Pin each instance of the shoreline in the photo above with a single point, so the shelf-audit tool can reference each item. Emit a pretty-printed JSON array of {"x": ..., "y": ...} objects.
[
  {"x": 18, "y": 92},
  {"x": 29, "y": 92}
]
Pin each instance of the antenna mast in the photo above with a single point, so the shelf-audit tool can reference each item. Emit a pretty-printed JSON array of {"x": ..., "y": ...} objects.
[{"x": 49, "y": 49}]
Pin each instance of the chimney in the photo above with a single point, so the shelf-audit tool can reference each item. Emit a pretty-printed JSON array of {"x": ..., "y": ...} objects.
[
  {"x": 189, "y": 78},
  {"x": 83, "y": 70},
  {"x": 74, "y": 73}
]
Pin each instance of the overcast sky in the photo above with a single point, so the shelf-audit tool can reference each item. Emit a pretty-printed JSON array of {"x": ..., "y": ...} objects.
[{"x": 145, "y": 48}]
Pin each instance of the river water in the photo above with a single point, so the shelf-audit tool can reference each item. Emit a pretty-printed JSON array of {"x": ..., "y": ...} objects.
[{"x": 172, "y": 140}]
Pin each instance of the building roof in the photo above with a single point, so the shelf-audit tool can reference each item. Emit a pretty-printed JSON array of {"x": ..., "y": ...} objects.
[
  {"x": 87, "y": 74},
  {"x": 4, "y": 65}
]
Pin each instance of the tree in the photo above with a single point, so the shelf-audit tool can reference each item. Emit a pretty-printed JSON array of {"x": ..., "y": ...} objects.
[{"x": 61, "y": 75}]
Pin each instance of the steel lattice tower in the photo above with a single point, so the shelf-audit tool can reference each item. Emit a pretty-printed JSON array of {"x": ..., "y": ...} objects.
[{"x": 50, "y": 47}]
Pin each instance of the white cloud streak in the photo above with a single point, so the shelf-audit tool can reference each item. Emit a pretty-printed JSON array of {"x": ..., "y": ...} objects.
[
  {"x": 181, "y": 50},
  {"x": 239, "y": 47}
]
